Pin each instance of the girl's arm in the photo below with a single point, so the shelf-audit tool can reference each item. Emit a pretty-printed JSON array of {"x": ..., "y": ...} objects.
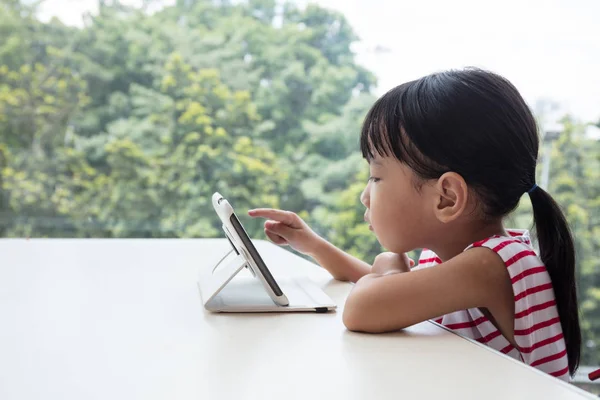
[
  {"x": 287, "y": 228},
  {"x": 341, "y": 265},
  {"x": 475, "y": 278},
  {"x": 350, "y": 268}
]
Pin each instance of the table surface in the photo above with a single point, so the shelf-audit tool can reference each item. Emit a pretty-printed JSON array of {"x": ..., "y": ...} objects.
[{"x": 123, "y": 319}]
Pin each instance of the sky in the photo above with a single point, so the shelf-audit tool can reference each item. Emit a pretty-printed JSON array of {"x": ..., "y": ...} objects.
[{"x": 550, "y": 49}]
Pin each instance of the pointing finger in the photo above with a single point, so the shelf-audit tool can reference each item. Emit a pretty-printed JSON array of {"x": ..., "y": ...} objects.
[{"x": 287, "y": 217}]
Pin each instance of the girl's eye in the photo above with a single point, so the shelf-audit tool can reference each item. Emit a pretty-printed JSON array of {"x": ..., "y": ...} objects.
[{"x": 373, "y": 179}]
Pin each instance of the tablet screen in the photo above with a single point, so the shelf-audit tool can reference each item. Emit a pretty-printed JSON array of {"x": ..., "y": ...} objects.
[
  {"x": 232, "y": 245},
  {"x": 254, "y": 254}
]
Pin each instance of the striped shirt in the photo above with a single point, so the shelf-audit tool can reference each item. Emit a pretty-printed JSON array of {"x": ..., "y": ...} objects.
[{"x": 537, "y": 330}]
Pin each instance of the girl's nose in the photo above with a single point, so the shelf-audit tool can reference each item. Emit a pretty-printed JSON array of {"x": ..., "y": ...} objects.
[{"x": 364, "y": 197}]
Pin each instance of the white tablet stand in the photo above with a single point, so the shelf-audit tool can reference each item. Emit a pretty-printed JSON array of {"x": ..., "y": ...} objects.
[{"x": 222, "y": 273}]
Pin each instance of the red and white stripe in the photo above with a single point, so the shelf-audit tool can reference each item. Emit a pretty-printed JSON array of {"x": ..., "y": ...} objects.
[{"x": 537, "y": 330}]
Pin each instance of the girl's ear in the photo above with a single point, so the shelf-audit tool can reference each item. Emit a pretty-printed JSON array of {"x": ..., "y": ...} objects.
[{"x": 452, "y": 196}]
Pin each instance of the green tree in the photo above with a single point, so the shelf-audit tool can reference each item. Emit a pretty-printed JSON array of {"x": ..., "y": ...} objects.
[
  {"x": 38, "y": 96},
  {"x": 158, "y": 110}
]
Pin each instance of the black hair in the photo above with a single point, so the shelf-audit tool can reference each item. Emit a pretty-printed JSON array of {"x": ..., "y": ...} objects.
[{"x": 475, "y": 123}]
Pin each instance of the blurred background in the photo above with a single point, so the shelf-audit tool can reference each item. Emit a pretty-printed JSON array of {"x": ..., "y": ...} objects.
[{"x": 121, "y": 118}]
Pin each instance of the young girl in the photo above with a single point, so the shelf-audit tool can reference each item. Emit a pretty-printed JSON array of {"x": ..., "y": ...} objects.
[{"x": 450, "y": 156}]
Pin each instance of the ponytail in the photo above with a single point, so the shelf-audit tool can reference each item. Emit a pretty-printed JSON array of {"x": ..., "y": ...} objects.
[{"x": 557, "y": 251}]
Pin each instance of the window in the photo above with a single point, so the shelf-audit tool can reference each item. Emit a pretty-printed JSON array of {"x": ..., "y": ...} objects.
[{"x": 120, "y": 119}]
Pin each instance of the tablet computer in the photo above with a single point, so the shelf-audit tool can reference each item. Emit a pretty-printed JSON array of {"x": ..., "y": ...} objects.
[{"x": 242, "y": 244}]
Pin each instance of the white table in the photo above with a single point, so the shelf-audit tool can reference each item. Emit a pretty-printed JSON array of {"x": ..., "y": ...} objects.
[{"x": 122, "y": 319}]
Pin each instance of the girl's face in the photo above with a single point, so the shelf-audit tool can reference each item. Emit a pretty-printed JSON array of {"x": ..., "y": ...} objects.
[{"x": 400, "y": 216}]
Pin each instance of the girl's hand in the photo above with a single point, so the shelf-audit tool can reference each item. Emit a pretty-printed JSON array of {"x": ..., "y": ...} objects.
[
  {"x": 287, "y": 228},
  {"x": 391, "y": 263}
]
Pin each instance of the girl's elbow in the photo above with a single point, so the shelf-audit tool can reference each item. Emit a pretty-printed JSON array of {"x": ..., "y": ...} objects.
[
  {"x": 351, "y": 320},
  {"x": 362, "y": 314},
  {"x": 357, "y": 321},
  {"x": 358, "y": 318},
  {"x": 353, "y": 316}
]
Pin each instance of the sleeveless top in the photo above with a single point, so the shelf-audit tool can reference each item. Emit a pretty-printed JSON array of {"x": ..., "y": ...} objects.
[{"x": 537, "y": 329}]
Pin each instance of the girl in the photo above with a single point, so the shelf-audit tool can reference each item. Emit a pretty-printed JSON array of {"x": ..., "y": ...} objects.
[{"x": 450, "y": 155}]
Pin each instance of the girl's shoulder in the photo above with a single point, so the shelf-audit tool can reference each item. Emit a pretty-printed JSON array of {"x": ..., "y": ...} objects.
[
  {"x": 497, "y": 242},
  {"x": 515, "y": 250}
]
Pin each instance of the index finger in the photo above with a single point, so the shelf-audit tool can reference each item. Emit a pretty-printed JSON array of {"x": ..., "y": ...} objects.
[{"x": 277, "y": 215}]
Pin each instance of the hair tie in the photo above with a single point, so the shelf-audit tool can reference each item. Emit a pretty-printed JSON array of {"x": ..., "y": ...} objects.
[{"x": 532, "y": 188}]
